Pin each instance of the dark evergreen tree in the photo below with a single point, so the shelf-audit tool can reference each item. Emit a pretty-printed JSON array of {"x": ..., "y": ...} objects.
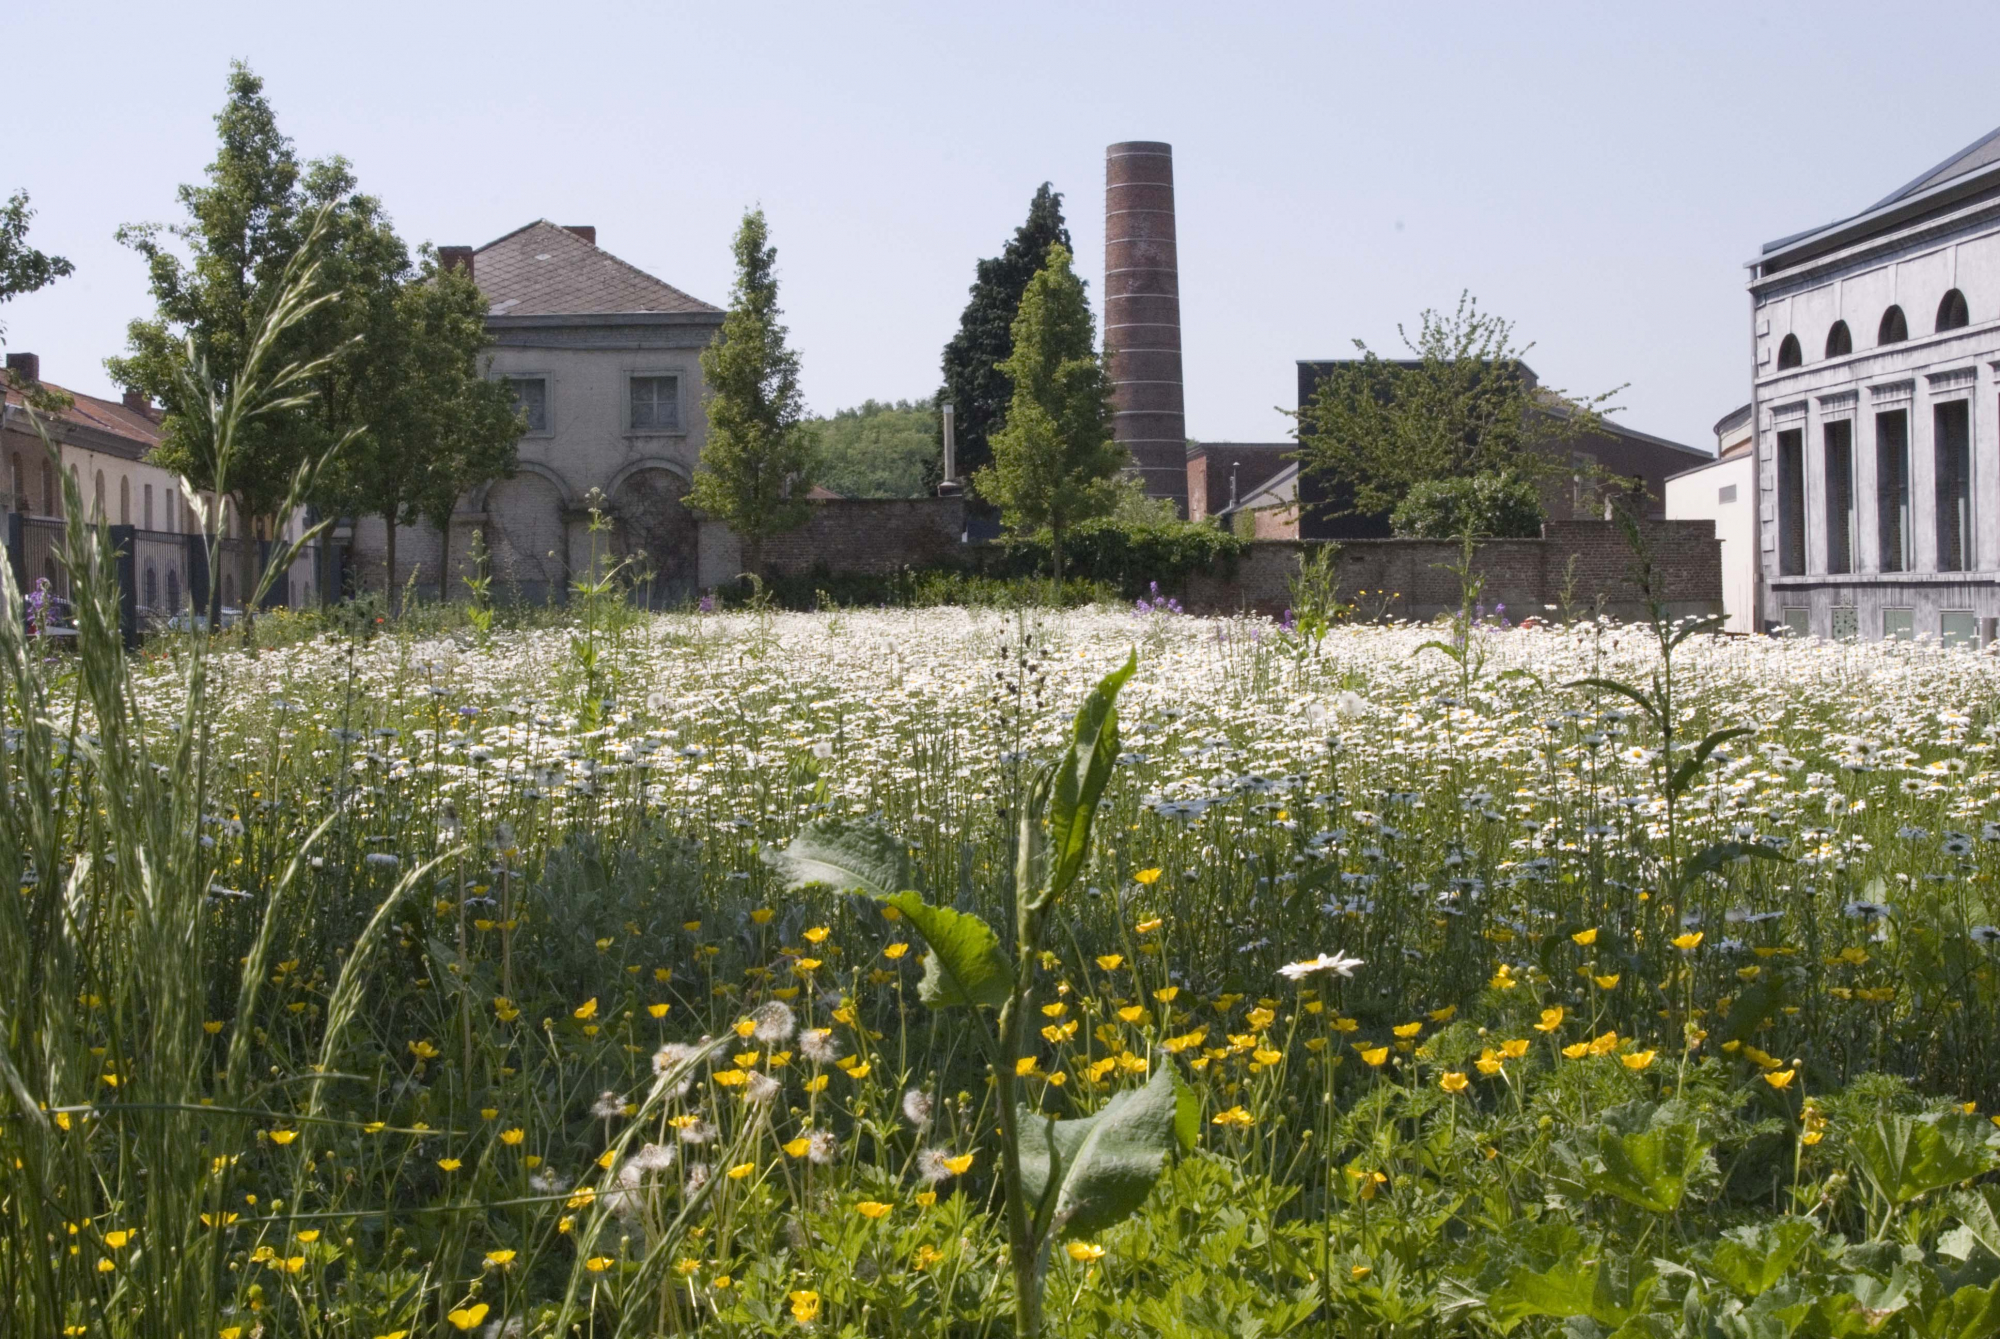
[{"x": 973, "y": 380}]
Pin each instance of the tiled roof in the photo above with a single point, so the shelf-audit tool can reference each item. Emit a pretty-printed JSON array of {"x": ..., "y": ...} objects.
[
  {"x": 544, "y": 270},
  {"x": 108, "y": 416}
]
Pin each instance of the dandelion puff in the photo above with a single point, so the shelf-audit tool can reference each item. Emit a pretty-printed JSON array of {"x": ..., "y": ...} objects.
[
  {"x": 548, "y": 1183},
  {"x": 823, "y": 1148},
  {"x": 917, "y": 1107},
  {"x": 819, "y": 1046},
  {"x": 761, "y": 1089},
  {"x": 510, "y": 1328},
  {"x": 650, "y": 1158},
  {"x": 698, "y": 1174},
  {"x": 608, "y": 1106},
  {"x": 930, "y": 1166},
  {"x": 775, "y": 1023},
  {"x": 698, "y": 1132}
]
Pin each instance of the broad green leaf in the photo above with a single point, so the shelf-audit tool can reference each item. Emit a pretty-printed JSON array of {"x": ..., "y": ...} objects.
[
  {"x": 1094, "y": 1171},
  {"x": 1752, "y": 1259},
  {"x": 1684, "y": 774},
  {"x": 1760, "y": 1000},
  {"x": 1978, "y": 1212},
  {"x": 1709, "y": 859},
  {"x": 1974, "y": 1313},
  {"x": 965, "y": 964},
  {"x": 1579, "y": 1287},
  {"x": 1646, "y": 1155},
  {"x": 1905, "y": 1156},
  {"x": 1625, "y": 690},
  {"x": 846, "y": 856},
  {"x": 1081, "y": 776}
]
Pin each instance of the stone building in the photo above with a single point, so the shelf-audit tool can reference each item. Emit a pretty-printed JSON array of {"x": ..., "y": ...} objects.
[
  {"x": 1875, "y": 340},
  {"x": 1723, "y": 491},
  {"x": 605, "y": 362}
]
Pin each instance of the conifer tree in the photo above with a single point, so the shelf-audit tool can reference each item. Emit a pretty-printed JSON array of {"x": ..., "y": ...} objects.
[
  {"x": 756, "y": 466},
  {"x": 974, "y": 382},
  {"x": 1054, "y": 462}
]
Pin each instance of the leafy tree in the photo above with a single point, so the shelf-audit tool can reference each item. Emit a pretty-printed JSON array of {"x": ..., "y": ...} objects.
[
  {"x": 1499, "y": 504},
  {"x": 880, "y": 449},
  {"x": 436, "y": 426},
  {"x": 243, "y": 228},
  {"x": 22, "y": 268},
  {"x": 975, "y": 383},
  {"x": 756, "y": 467},
  {"x": 1464, "y": 403},
  {"x": 1054, "y": 463}
]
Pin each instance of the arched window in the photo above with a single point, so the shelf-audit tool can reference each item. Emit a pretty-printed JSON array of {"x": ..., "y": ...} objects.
[
  {"x": 1788, "y": 353},
  {"x": 152, "y": 587},
  {"x": 1951, "y": 311},
  {"x": 17, "y": 483},
  {"x": 173, "y": 590},
  {"x": 125, "y": 500},
  {"x": 1838, "y": 342},
  {"x": 1894, "y": 329},
  {"x": 48, "y": 490},
  {"x": 97, "y": 498}
]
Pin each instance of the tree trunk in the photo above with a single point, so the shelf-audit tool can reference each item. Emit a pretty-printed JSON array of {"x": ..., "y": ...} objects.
[
  {"x": 389, "y": 587},
  {"x": 1055, "y": 548},
  {"x": 753, "y": 559}
]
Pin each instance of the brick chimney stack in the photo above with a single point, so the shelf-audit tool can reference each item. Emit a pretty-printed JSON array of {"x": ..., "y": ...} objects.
[
  {"x": 142, "y": 404},
  {"x": 587, "y": 231},
  {"x": 456, "y": 258},
  {"x": 25, "y": 366},
  {"x": 1142, "y": 314}
]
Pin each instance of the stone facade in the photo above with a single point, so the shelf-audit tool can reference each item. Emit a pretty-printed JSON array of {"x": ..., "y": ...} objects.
[{"x": 1876, "y": 366}]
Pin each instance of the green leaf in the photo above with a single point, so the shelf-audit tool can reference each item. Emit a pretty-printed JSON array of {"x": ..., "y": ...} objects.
[
  {"x": 1625, "y": 690},
  {"x": 965, "y": 964},
  {"x": 1696, "y": 628},
  {"x": 1974, "y": 1313},
  {"x": 1081, "y": 776},
  {"x": 1712, "y": 858},
  {"x": 1752, "y": 1005},
  {"x": 1906, "y": 1156},
  {"x": 1646, "y": 1155},
  {"x": 1595, "y": 1289},
  {"x": 1093, "y": 1172},
  {"x": 1684, "y": 774},
  {"x": 1978, "y": 1212},
  {"x": 1752, "y": 1259},
  {"x": 846, "y": 856}
]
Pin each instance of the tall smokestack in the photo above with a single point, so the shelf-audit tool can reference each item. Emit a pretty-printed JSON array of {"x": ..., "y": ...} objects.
[{"x": 1142, "y": 314}]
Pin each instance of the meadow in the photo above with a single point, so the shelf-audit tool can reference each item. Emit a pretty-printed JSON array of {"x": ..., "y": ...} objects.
[{"x": 442, "y": 977}]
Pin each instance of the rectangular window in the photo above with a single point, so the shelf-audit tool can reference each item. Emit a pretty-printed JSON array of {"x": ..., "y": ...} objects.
[
  {"x": 1846, "y": 623},
  {"x": 1839, "y": 442},
  {"x": 1899, "y": 625},
  {"x": 149, "y": 506},
  {"x": 1892, "y": 490},
  {"x": 1725, "y": 495},
  {"x": 656, "y": 404},
  {"x": 1958, "y": 627},
  {"x": 532, "y": 395},
  {"x": 1798, "y": 620},
  {"x": 1951, "y": 426},
  {"x": 1792, "y": 502}
]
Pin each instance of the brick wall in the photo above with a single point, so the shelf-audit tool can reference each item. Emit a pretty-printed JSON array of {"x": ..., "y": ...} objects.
[
  {"x": 870, "y": 535},
  {"x": 1526, "y": 575}
]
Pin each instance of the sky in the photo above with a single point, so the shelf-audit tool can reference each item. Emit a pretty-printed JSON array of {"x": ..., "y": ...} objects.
[{"x": 1598, "y": 174}]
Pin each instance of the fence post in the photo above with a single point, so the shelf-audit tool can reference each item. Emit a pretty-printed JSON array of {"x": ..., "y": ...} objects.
[
  {"x": 197, "y": 576},
  {"x": 125, "y": 560},
  {"x": 17, "y": 551}
]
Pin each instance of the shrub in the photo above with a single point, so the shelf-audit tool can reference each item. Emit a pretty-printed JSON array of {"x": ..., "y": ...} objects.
[
  {"x": 1496, "y": 504},
  {"x": 1132, "y": 555}
]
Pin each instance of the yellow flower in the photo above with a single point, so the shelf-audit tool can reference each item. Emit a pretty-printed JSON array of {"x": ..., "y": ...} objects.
[
  {"x": 1444, "y": 1015},
  {"x": 1688, "y": 943},
  {"x": 1552, "y": 1018},
  {"x": 374, "y": 1127},
  {"x": 818, "y": 934},
  {"x": 1780, "y": 1078},
  {"x": 1024, "y": 1066},
  {"x": 597, "y": 1264},
  {"x": 731, "y": 1078},
  {"x": 1578, "y": 1051},
  {"x": 658, "y": 1010},
  {"x": 1488, "y": 1064},
  {"x": 926, "y": 1198},
  {"x": 805, "y": 966},
  {"x": 762, "y": 916},
  {"x": 1359, "y": 1272},
  {"x": 872, "y": 1208},
  {"x": 1453, "y": 1082},
  {"x": 450, "y": 1164},
  {"x": 1637, "y": 1059},
  {"x": 857, "y": 1072},
  {"x": 105, "y": 1266},
  {"x": 1514, "y": 1048},
  {"x": 1609, "y": 982},
  {"x": 212, "y": 1027},
  {"x": 283, "y": 1137},
  {"x": 218, "y": 1220},
  {"x": 741, "y": 1170},
  {"x": 1374, "y": 1055},
  {"x": 467, "y": 1318},
  {"x": 1132, "y": 1013},
  {"x": 1059, "y": 1032},
  {"x": 117, "y": 1241},
  {"x": 1147, "y": 927},
  {"x": 896, "y": 950},
  {"x": 1084, "y": 1252},
  {"x": 797, "y": 1148},
  {"x": 309, "y": 1237},
  {"x": 1408, "y": 1030},
  {"x": 1111, "y": 962},
  {"x": 513, "y": 1137},
  {"x": 423, "y": 1050},
  {"x": 805, "y": 1306},
  {"x": 1585, "y": 938},
  {"x": 586, "y": 1010},
  {"x": 686, "y": 1265},
  {"x": 1267, "y": 1058},
  {"x": 1165, "y": 994},
  {"x": 959, "y": 1165},
  {"x": 816, "y": 1084},
  {"x": 499, "y": 1259},
  {"x": 1235, "y": 1118},
  {"x": 1148, "y": 877},
  {"x": 580, "y": 1198}
]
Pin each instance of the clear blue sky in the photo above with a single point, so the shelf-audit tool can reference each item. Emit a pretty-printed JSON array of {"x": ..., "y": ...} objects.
[{"x": 1598, "y": 173}]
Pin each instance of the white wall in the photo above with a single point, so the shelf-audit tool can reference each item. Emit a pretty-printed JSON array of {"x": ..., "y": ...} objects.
[{"x": 1725, "y": 493}]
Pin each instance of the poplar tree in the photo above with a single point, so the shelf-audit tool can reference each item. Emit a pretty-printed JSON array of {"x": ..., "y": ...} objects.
[
  {"x": 1054, "y": 462},
  {"x": 23, "y": 269},
  {"x": 975, "y": 383},
  {"x": 756, "y": 466}
]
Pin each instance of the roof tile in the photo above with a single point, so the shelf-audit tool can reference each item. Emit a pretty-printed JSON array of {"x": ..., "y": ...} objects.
[{"x": 546, "y": 270}]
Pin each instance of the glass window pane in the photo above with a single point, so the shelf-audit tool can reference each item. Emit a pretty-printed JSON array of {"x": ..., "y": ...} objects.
[
  {"x": 1839, "y": 442},
  {"x": 1952, "y": 435},
  {"x": 1892, "y": 491},
  {"x": 1791, "y": 503}
]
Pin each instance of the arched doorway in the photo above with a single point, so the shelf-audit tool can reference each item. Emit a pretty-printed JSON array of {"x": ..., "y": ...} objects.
[
  {"x": 526, "y": 540},
  {"x": 652, "y": 527}
]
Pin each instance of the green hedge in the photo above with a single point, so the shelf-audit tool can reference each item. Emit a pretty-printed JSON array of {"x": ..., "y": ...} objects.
[{"x": 1130, "y": 556}]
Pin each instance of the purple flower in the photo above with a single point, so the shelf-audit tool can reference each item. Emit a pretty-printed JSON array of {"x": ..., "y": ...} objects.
[{"x": 707, "y": 605}]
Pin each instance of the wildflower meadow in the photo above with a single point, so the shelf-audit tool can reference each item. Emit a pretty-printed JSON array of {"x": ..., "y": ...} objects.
[{"x": 919, "y": 973}]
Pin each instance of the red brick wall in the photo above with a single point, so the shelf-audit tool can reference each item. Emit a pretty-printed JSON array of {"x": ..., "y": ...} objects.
[
  {"x": 1525, "y": 575},
  {"x": 871, "y": 535}
]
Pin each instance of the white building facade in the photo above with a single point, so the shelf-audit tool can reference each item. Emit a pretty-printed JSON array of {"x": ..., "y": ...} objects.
[
  {"x": 1876, "y": 412},
  {"x": 1724, "y": 491}
]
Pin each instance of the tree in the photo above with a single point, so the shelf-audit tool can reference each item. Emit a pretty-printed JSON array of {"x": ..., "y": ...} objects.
[
  {"x": 1499, "y": 505},
  {"x": 1054, "y": 463},
  {"x": 879, "y": 449},
  {"x": 756, "y": 467},
  {"x": 436, "y": 426},
  {"x": 974, "y": 382},
  {"x": 22, "y": 268},
  {"x": 1465, "y": 403},
  {"x": 243, "y": 228}
]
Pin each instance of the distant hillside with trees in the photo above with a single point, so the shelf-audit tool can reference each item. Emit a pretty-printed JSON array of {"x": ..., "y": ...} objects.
[{"x": 880, "y": 448}]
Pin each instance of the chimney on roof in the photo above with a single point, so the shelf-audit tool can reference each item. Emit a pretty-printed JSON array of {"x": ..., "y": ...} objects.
[
  {"x": 587, "y": 231},
  {"x": 26, "y": 367},
  {"x": 456, "y": 258},
  {"x": 139, "y": 403}
]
